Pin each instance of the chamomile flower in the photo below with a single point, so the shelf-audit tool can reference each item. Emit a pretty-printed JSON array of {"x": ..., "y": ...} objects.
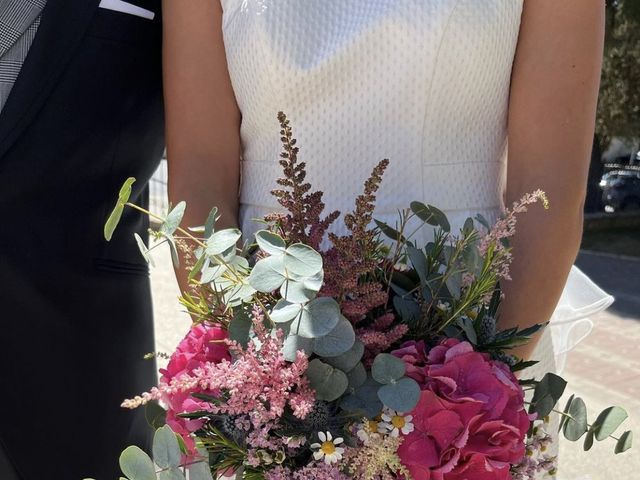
[
  {"x": 328, "y": 449},
  {"x": 397, "y": 422},
  {"x": 371, "y": 429}
]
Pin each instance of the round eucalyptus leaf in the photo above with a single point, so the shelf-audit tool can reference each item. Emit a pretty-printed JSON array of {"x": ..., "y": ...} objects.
[
  {"x": 270, "y": 243},
  {"x": 387, "y": 368},
  {"x": 576, "y": 425},
  {"x": 284, "y": 311},
  {"x": 357, "y": 376},
  {"x": 364, "y": 399},
  {"x": 317, "y": 318},
  {"x": 136, "y": 464},
  {"x": 608, "y": 421},
  {"x": 302, "y": 260},
  {"x": 337, "y": 341},
  {"x": 223, "y": 240},
  {"x": 302, "y": 289},
  {"x": 328, "y": 382},
  {"x": 166, "y": 451},
  {"x": 267, "y": 274},
  {"x": 295, "y": 343},
  {"x": 348, "y": 360},
  {"x": 625, "y": 442},
  {"x": 401, "y": 396}
]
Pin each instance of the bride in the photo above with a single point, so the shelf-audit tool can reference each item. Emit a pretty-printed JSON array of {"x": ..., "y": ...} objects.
[{"x": 436, "y": 86}]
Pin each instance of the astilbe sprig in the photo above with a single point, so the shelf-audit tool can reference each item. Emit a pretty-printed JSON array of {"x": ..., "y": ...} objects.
[
  {"x": 353, "y": 259},
  {"x": 303, "y": 222},
  {"x": 259, "y": 382}
]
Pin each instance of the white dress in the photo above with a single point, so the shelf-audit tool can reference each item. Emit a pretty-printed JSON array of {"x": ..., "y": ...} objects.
[{"x": 424, "y": 83}]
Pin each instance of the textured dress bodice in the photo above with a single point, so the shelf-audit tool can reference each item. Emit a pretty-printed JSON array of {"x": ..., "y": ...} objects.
[{"x": 424, "y": 83}]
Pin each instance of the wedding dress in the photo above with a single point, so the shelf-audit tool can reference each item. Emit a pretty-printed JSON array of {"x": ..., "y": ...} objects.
[{"x": 424, "y": 83}]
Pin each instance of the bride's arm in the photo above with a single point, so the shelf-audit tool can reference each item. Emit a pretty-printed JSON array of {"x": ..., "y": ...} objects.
[
  {"x": 202, "y": 117},
  {"x": 551, "y": 120}
]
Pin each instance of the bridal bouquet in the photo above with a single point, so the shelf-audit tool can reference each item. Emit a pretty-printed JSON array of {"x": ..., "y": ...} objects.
[{"x": 361, "y": 356}]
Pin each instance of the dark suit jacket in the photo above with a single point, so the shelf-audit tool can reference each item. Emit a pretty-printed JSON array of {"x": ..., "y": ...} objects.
[{"x": 75, "y": 315}]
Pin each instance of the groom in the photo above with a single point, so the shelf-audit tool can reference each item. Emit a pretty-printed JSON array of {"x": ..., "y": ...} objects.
[{"x": 81, "y": 110}]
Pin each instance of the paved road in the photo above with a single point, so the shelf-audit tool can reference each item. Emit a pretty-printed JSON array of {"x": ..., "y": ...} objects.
[{"x": 604, "y": 369}]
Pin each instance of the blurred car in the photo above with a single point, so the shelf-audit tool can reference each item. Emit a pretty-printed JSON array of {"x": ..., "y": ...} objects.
[{"x": 621, "y": 190}]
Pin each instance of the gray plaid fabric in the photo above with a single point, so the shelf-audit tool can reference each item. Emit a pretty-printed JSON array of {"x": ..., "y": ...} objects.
[{"x": 19, "y": 21}]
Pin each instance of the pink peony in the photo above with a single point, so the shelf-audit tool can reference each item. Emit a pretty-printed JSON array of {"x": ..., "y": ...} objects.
[
  {"x": 202, "y": 344},
  {"x": 470, "y": 421}
]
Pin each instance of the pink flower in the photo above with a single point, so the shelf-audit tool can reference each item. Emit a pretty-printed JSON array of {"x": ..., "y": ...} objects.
[
  {"x": 414, "y": 355},
  {"x": 470, "y": 421},
  {"x": 203, "y": 344}
]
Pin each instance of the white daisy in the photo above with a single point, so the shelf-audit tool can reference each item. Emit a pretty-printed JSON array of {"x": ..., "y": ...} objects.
[
  {"x": 371, "y": 429},
  {"x": 397, "y": 422},
  {"x": 328, "y": 449}
]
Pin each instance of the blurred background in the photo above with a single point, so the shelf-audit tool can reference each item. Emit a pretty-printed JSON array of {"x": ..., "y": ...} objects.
[{"x": 605, "y": 368}]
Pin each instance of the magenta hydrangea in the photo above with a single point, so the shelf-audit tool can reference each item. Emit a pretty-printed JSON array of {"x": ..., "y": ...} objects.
[{"x": 470, "y": 421}]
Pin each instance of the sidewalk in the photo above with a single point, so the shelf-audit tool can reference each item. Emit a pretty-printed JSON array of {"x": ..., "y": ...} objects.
[{"x": 604, "y": 369}]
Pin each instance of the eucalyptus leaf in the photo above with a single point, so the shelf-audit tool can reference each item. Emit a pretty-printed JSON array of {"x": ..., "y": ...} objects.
[
  {"x": 337, "y": 341},
  {"x": 317, "y": 318},
  {"x": 113, "y": 221},
  {"x": 408, "y": 309},
  {"x": 285, "y": 311},
  {"x": 136, "y": 464},
  {"x": 173, "y": 219},
  {"x": 295, "y": 343},
  {"x": 364, "y": 399},
  {"x": 213, "y": 273},
  {"x": 547, "y": 393},
  {"x": 200, "y": 471},
  {"x": 268, "y": 274},
  {"x": 576, "y": 425},
  {"x": 166, "y": 451},
  {"x": 144, "y": 250},
  {"x": 588, "y": 441},
  {"x": 348, "y": 360},
  {"x": 625, "y": 442},
  {"x": 223, "y": 240},
  {"x": 387, "y": 368},
  {"x": 270, "y": 243},
  {"x": 401, "y": 396},
  {"x": 209, "y": 225},
  {"x": 302, "y": 289},
  {"x": 454, "y": 284},
  {"x": 466, "y": 324},
  {"x": 171, "y": 474},
  {"x": 302, "y": 260},
  {"x": 357, "y": 376},
  {"x": 608, "y": 421},
  {"x": 328, "y": 382}
]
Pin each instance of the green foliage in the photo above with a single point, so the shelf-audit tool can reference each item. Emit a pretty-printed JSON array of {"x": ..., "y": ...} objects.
[
  {"x": 328, "y": 382},
  {"x": 546, "y": 395},
  {"x": 619, "y": 103},
  {"x": 136, "y": 464},
  {"x": 387, "y": 368},
  {"x": 402, "y": 395},
  {"x": 116, "y": 214}
]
